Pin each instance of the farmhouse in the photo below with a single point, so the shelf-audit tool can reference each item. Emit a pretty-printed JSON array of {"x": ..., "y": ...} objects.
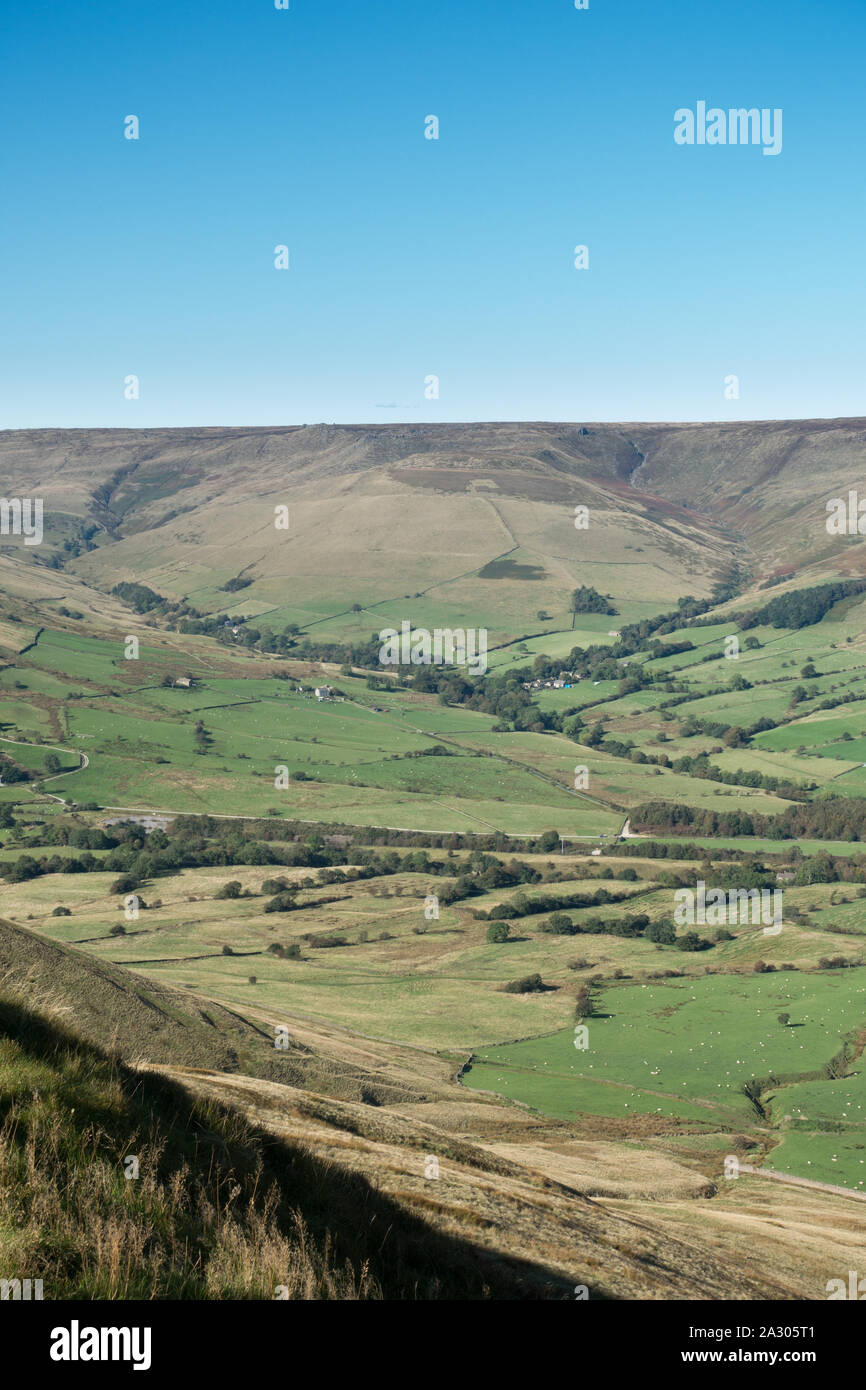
[
  {"x": 323, "y": 692},
  {"x": 186, "y": 681}
]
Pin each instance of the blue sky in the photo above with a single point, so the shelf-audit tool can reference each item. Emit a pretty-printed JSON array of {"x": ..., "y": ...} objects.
[{"x": 413, "y": 257}]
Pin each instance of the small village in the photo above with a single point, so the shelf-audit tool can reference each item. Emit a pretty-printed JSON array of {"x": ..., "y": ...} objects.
[{"x": 564, "y": 681}]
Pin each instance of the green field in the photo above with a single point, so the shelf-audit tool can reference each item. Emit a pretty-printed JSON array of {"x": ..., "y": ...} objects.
[
  {"x": 675, "y": 1036},
  {"x": 686, "y": 1048}
]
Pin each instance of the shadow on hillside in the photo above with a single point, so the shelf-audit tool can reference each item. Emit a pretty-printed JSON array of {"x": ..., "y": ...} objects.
[{"x": 386, "y": 1246}]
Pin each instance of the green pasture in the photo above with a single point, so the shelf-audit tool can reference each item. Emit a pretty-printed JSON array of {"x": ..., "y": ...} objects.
[{"x": 685, "y": 1047}]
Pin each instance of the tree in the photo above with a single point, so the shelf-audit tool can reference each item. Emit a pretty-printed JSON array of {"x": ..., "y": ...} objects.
[
  {"x": 530, "y": 984},
  {"x": 661, "y": 932},
  {"x": 690, "y": 941},
  {"x": 784, "y": 1019},
  {"x": 559, "y": 925},
  {"x": 498, "y": 932},
  {"x": 51, "y": 762},
  {"x": 274, "y": 885},
  {"x": 585, "y": 599},
  {"x": 583, "y": 1005},
  {"x": 283, "y": 902},
  {"x": 232, "y": 889},
  {"x": 125, "y": 884}
]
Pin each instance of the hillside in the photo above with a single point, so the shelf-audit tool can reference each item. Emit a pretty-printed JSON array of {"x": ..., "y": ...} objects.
[
  {"x": 114, "y": 1186},
  {"x": 144, "y": 1020},
  {"x": 245, "y": 1187},
  {"x": 394, "y": 516},
  {"x": 426, "y": 937}
]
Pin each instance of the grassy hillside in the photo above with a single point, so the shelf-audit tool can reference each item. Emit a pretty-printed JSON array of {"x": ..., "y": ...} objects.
[
  {"x": 114, "y": 1185},
  {"x": 426, "y": 879},
  {"x": 382, "y": 515},
  {"x": 181, "y": 1183},
  {"x": 469, "y": 525}
]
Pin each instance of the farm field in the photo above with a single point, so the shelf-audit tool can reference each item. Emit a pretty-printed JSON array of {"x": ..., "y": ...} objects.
[
  {"x": 433, "y": 844},
  {"x": 355, "y": 754},
  {"x": 822, "y": 1128},
  {"x": 399, "y": 787},
  {"x": 686, "y": 1050},
  {"x": 762, "y": 845},
  {"x": 437, "y": 984}
]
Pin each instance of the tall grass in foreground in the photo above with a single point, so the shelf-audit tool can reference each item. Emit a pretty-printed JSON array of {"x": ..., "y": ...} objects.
[
  {"x": 204, "y": 1218},
  {"x": 217, "y": 1210}
]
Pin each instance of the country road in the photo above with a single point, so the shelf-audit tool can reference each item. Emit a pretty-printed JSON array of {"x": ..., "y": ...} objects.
[{"x": 52, "y": 748}]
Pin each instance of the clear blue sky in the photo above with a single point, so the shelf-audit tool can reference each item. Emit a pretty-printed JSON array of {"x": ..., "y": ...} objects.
[{"x": 412, "y": 257}]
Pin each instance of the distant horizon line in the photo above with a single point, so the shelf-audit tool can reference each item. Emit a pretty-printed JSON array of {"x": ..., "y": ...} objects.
[{"x": 440, "y": 424}]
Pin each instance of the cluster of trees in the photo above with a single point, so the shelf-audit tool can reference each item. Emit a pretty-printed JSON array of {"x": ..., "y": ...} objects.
[
  {"x": 146, "y": 600},
  {"x": 630, "y": 925},
  {"x": 830, "y": 818},
  {"x": 713, "y": 728},
  {"x": 482, "y": 874},
  {"x": 701, "y": 768},
  {"x": 676, "y": 818},
  {"x": 638, "y": 925},
  {"x": 529, "y": 984},
  {"x": 810, "y": 821},
  {"x": 75, "y": 545},
  {"x": 200, "y": 841},
  {"x": 10, "y": 771},
  {"x": 801, "y": 607},
  {"x": 522, "y": 906},
  {"x": 585, "y": 599}
]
